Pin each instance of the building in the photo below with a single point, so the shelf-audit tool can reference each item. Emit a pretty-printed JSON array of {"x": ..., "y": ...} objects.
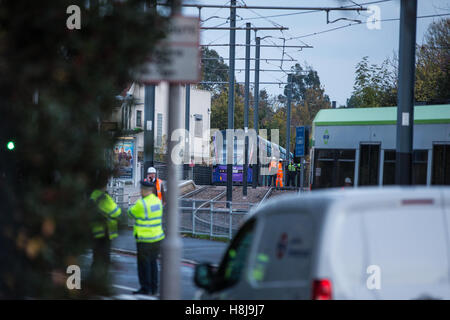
[
  {"x": 360, "y": 144},
  {"x": 130, "y": 117}
]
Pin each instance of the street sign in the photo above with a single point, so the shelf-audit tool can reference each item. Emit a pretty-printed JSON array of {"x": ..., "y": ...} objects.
[
  {"x": 300, "y": 141},
  {"x": 176, "y": 58}
]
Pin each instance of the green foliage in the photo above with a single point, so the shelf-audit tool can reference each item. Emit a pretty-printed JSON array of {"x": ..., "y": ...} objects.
[
  {"x": 46, "y": 181},
  {"x": 214, "y": 69},
  {"x": 219, "y": 110},
  {"x": 302, "y": 80},
  {"x": 308, "y": 97},
  {"x": 433, "y": 64},
  {"x": 375, "y": 86}
]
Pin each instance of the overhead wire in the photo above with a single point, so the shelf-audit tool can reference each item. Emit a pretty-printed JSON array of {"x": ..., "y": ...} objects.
[{"x": 358, "y": 23}]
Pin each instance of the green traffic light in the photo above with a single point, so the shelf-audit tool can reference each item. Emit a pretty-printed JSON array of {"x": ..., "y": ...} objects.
[{"x": 10, "y": 145}]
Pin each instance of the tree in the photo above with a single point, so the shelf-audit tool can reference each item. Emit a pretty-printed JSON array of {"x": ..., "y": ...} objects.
[
  {"x": 432, "y": 64},
  {"x": 308, "y": 97},
  {"x": 375, "y": 86},
  {"x": 302, "y": 79},
  {"x": 214, "y": 69},
  {"x": 219, "y": 110},
  {"x": 56, "y": 87}
]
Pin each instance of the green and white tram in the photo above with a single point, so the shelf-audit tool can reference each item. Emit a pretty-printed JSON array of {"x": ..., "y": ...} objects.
[{"x": 360, "y": 144}]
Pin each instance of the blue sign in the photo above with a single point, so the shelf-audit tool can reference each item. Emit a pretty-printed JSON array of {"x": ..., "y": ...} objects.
[{"x": 300, "y": 141}]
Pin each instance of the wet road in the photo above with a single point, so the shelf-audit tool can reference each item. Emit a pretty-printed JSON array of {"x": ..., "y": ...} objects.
[{"x": 125, "y": 280}]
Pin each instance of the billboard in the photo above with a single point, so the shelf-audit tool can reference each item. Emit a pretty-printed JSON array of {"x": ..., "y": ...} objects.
[{"x": 124, "y": 159}]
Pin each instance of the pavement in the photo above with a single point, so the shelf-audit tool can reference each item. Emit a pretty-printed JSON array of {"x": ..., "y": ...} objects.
[{"x": 194, "y": 251}]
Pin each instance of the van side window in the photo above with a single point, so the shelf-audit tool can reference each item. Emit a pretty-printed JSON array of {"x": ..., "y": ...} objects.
[
  {"x": 284, "y": 251},
  {"x": 233, "y": 263}
]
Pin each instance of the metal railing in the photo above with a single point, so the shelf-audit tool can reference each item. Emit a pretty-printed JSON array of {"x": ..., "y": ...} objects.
[
  {"x": 213, "y": 218},
  {"x": 216, "y": 219}
]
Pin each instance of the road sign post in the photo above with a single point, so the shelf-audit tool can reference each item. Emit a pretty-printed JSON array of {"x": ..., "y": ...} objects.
[
  {"x": 177, "y": 58},
  {"x": 174, "y": 61}
]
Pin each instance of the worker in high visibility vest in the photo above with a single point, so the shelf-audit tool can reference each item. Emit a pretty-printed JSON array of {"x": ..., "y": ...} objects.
[
  {"x": 104, "y": 228},
  {"x": 299, "y": 173},
  {"x": 148, "y": 232},
  {"x": 151, "y": 177},
  {"x": 279, "y": 182},
  {"x": 272, "y": 171},
  {"x": 291, "y": 174}
]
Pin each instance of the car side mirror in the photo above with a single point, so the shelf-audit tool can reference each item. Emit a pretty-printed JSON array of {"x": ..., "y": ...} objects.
[{"x": 203, "y": 276}]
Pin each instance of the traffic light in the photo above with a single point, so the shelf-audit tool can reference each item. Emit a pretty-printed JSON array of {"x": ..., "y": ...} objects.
[{"x": 10, "y": 145}]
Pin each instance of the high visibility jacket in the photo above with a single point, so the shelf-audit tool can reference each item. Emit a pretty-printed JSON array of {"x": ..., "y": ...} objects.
[
  {"x": 110, "y": 212},
  {"x": 299, "y": 167},
  {"x": 279, "y": 181},
  {"x": 147, "y": 215},
  {"x": 280, "y": 169},
  {"x": 291, "y": 167},
  {"x": 158, "y": 184},
  {"x": 158, "y": 188}
]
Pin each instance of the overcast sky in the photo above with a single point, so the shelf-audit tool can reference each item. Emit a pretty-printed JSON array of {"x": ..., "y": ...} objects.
[{"x": 335, "y": 54}]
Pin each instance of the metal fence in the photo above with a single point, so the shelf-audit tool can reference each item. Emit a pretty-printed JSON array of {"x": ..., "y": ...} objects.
[
  {"x": 219, "y": 219},
  {"x": 216, "y": 219}
]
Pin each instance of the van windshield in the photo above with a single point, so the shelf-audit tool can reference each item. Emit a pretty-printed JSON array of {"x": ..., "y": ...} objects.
[{"x": 233, "y": 263}]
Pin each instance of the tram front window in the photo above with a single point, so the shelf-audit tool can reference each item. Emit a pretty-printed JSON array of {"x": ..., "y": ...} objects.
[{"x": 332, "y": 167}]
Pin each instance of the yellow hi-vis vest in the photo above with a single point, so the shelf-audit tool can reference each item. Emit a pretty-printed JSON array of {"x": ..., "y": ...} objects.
[
  {"x": 110, "y": 211},
  {"x": 147, "y": 215}
]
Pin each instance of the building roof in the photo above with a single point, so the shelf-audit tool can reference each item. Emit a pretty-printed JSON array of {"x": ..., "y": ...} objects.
[{"x": 383, "y": 115}]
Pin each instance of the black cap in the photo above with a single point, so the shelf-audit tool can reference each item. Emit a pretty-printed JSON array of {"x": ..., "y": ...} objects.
[{"x": 147, "y": 184}]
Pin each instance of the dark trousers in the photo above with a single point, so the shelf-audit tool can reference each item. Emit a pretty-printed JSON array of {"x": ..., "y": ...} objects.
[
  {"x": 272, "y": 179},
  {"x": 100, "y": 261},
  {"x": 147, "y": 255},
  {"x": 291, "y": 179}
]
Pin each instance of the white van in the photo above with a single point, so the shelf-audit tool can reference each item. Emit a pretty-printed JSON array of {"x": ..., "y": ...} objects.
[{"x": 366, "y": 243}]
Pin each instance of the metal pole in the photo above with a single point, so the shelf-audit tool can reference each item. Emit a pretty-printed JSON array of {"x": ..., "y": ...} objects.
[
  {"x": 187, "y": 152},
  {"x": 405, "y": 110},
  {"x": 302, "y": 173},
  {"x": 149, "y": 122},
  {"x": 171, "y": 245},
  {"x": 255, "y": 112},
  {"x": 288, "y": 122},
  {"x": 246, "y": 103},
  {"x": 230, "y": 144}
]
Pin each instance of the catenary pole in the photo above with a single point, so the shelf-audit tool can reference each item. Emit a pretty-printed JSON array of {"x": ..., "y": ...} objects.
[
  {"x": 149, "y": 122},
  {"x": 246, "y": 105},
  {"x": 405, "y": 110},
  {"x": 288, "y": 120},
  {"x": 187, "y": 115},
  {"x": 255, "y": 113},
  {"x": 230, "y": 138}
]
